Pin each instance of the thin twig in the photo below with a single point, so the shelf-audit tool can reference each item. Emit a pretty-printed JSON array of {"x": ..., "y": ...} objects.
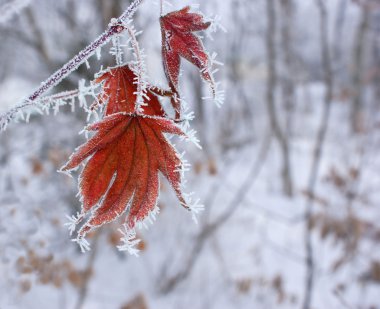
[
  {"x": 317, "y": 153},
  {"x": 140, "y": 79}
]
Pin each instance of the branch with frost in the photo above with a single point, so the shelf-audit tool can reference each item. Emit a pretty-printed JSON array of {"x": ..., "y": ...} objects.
[
  {"x": 115, "y": 28},
  {"x": 43, "y": 104},
  {"x": 53, "y": 102}
]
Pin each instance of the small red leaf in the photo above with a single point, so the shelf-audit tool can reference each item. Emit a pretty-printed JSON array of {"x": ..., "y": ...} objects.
[{"x": 179, "y": 40}]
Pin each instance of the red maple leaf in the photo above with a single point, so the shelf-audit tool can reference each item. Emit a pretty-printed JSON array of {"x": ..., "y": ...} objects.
[
  {"x": 125, "y": 156},
  {"x": 119, "y": 93},
  {"x": 179, "y": 40}
]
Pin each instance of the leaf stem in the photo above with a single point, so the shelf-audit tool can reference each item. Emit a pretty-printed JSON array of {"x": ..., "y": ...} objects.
[{"x": 140, "y": 69}]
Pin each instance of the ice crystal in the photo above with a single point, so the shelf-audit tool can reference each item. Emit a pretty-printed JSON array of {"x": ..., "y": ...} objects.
[
  {"x": 83, "y": 244},
  {"x": 194, "y": 206},
  {"x": 129, "y": 241},
  {"x": 73, "y": 221}
]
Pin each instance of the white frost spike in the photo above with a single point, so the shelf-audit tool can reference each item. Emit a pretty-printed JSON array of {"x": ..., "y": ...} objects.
[
  {"x": 67, "y": 173},
  {"x": 219, "y": 97},
  {"x": 116, "y": 50},
  {"x": 190, "y": 136},
  {"x": 185, "y": 166},
  {"x": 82, "y": 90},
  {"x": 215, "y": 25},
  {"x": 165, "y": 4},
  {"x": 194, "y": 206},
  {"x": 85, "y": 91},
  {"x": 98, "y": 53},
  {"x": 213, "y": 60},
  {"x": 83, "y": 244},
  {"x": 72, "y": 105},
  {"x": 187, "y": 117},
  {"x": 129, "y": 241},
  {"x": 152, "y": 216},
  {"x": 27, "y": 118},
  {"x": 73, "y": 221},
  {"x": 21, "y": 115}
]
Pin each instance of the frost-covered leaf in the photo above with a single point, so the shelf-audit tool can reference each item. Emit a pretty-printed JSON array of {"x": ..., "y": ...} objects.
[
  {"x": 179, "y": 40},
  {"x": 126, "y": 154}
]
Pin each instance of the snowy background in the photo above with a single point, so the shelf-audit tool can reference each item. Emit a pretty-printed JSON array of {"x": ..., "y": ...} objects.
[{"x": 289, "y": 172}]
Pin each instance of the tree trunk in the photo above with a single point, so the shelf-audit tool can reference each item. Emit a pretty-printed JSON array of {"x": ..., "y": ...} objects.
[
  {"x": 287, "y": 184},
  {"x": 317, "y": 153},
  {"x": 357, "y": 121},
  {"x": 288, "y": 88}
]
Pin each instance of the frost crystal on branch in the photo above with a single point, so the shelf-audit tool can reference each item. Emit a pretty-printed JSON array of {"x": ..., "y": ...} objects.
[
  {"x": 194, "y": 206},
  {"x": 215, "y": 25},
  {"x": 219, "y": 96},
  {"x": 191, "y": 136},
  {"x": 43, "y": 105},
  {"x": 73, "y": 222},
  {"x": 116, "y": 49},
  {"x": 70, "y": 66},
  {"x": 149, "y": 220},
  {"x": 185, "y": 166},
  {"x": 129, "y": 241},
  {"x": 83, "y": 244}
]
